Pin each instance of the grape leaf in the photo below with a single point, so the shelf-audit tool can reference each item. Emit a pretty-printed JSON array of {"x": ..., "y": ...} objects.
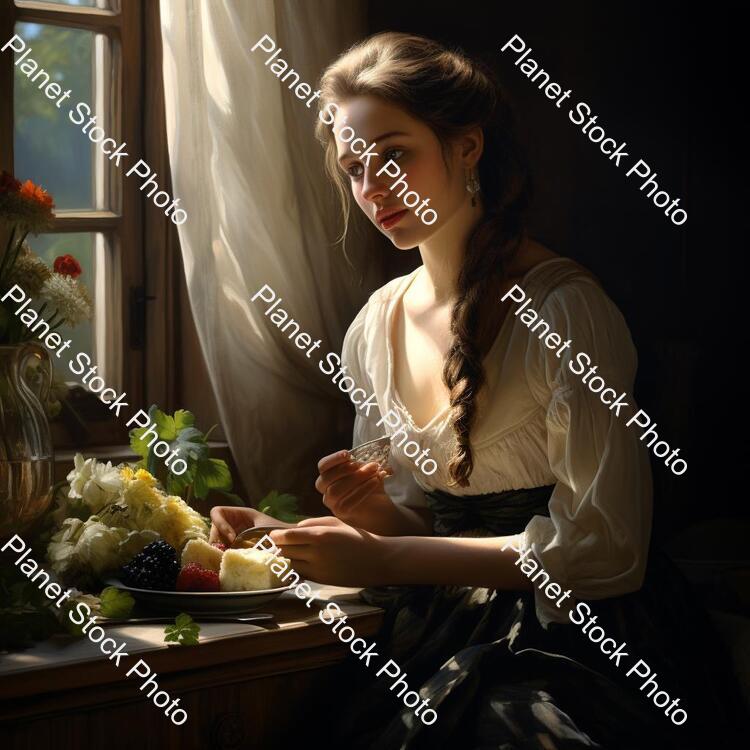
[
  {"x": 183, "y": 419},
  {"x": 211, "y": 474},
  {"x": 138, "y": 445},
  {"x": 184, "y": 631},
  {"x": 190, "y": 443},
  {"x": 165, "y": 425},
  {"x": 178, "y": 483},
  {"x": 230, "y": 499},
  {"x": 283, "y": 507},
  {"x": 115, "y": 603}
]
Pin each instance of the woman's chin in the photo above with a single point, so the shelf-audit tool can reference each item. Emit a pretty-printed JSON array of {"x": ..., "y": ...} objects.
[{"x": 403, "y": 240}]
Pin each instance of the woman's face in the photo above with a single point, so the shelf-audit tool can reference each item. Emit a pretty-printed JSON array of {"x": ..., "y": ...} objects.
[{"x": 396, "y": 135}]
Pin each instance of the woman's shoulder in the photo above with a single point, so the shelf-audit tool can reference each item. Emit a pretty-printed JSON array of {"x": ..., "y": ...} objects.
[
  {"x": 561, "y": 296},
  {"x": 555, "y": 281}
]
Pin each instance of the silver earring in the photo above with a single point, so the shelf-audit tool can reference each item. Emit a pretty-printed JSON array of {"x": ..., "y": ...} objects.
[{"x": 473, "y": 187}]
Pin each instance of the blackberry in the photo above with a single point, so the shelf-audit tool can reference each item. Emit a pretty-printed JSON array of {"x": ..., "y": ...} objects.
[{"x": 154, "y": 567}]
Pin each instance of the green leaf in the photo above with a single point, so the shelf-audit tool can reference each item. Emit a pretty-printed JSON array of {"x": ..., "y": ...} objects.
[
  {"x": 183, "y": 620},
  {"x": 183, "y": 419},
  {"x": 165, "y": 425},
  {"x": 283, "y": 507},
  {"x": 138, "y": 445},
  {"x": 190, "y": 444},
  {"x": 176, "y": 485},
  {"x": 211, "y": 474},
  {"x": 231, "y": 499},
  {"x": 184, "y": 631},
  {"x": 115, "y": 603}
]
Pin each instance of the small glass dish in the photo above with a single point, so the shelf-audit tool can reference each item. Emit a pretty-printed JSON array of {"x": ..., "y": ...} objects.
[{"x": 378, "y": 450}]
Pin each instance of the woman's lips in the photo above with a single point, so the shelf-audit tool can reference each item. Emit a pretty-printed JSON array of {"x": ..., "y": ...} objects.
[{"x": 391, "y": 220}]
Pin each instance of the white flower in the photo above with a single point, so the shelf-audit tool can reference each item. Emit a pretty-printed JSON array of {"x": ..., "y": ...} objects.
[
  {"x": 103, "y": 548},
  {"x": 92, "y": 545},
  {"x": 29, "y": 271},
  {"x": 98, "y": 484},
  {"x": 61, "y": 549},
  {"x": 67, "y": 297}
]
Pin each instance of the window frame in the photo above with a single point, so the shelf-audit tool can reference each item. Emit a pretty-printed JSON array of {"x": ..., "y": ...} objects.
[{"x": 124, "y": 229}]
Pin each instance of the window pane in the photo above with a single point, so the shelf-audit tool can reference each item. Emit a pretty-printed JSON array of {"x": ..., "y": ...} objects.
[
  {"x": 80, "y": 246},
  {"x": 103, "y": 4},
  {"x": 48, "y": 148}
]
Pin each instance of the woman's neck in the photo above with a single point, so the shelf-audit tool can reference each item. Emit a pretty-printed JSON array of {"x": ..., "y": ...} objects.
[{"x": 443, "y": 254}]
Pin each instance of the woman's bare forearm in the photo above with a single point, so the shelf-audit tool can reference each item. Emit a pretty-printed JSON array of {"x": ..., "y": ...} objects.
[
  {"x": 454, "y": 561},
  {"x": 380, "y": 515}
]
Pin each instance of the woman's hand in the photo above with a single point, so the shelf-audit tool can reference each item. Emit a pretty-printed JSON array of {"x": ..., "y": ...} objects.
[
  {"x": 229, "y": 520},
  {"x": 345, "y": 484},
  {"x": 327, "y": 550},
  {"x": 355, "y": 493}
]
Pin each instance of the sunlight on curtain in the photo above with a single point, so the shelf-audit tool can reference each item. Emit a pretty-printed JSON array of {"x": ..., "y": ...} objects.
[{"x": 249, "y": 173}]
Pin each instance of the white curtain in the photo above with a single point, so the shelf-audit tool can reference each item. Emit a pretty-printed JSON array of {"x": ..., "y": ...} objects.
[{"x": 248, "y": 171}]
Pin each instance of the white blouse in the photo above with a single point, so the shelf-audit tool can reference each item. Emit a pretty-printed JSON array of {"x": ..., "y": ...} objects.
[{"x": 537, "y": 424}]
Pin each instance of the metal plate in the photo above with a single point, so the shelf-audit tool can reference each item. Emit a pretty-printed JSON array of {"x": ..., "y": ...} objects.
[{"x": 201, "y": 602}]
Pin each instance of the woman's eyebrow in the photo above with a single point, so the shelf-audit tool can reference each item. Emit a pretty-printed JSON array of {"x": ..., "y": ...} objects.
[
  {"x": 380, "y": 137},
  {"x": 389, "y": 134}
]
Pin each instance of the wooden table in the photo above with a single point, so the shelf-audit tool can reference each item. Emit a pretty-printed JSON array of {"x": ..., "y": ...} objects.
[{"x": 243, "y": 686}]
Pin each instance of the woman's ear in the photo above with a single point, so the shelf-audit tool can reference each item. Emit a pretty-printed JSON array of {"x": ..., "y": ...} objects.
[{"x": 471, "y": 145}]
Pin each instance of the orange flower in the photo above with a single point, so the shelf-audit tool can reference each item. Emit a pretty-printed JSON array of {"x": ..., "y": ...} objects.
[{"x": 38, "y": 194}]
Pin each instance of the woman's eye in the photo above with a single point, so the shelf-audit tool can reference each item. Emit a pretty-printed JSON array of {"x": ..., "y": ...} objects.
[
  {"x": 393, "y": 153},
  {"x": 354, "y": 170}
]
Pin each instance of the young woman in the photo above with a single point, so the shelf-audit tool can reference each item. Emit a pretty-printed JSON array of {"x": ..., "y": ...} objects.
[{"x": 530, "y": 462}]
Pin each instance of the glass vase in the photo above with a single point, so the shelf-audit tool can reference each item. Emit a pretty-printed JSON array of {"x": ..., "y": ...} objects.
[{"x": 26, "y": 455}]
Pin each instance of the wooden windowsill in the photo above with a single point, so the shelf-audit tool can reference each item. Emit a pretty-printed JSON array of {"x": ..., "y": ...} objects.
[{"x": 116, "y": 453}]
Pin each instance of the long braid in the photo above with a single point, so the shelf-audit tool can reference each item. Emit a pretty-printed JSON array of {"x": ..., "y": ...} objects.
[{"x": 489, "y": 252}]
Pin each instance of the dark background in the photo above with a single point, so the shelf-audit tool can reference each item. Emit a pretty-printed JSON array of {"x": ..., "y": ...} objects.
[{"x": 657, "y": 80}]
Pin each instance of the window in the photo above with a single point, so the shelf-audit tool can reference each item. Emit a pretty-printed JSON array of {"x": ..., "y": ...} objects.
[{"x": 93, "y": 48}]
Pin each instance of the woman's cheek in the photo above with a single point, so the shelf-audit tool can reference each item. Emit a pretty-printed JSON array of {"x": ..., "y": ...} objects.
[{"x": 428, "y": 181}]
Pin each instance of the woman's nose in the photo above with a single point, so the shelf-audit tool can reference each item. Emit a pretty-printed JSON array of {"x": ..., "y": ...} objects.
[{"x": 374, "y": 187}]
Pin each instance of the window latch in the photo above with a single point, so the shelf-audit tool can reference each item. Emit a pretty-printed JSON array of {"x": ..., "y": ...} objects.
[{"x": 138, "y": 300}]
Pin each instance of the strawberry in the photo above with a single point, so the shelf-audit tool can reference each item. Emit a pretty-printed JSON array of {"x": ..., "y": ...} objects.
[{"x": 194, "y": 577}]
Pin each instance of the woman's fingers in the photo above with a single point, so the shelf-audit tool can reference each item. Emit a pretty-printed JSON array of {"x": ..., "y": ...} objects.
[
  {"x": 220, "y": 526},
  {"x": 344, "y": 487},
  {"x": 342, "y": 471},
  {"x": 320, "y": 521},
  {"x": 345, "y": 502},
  {"x": 296, "y": 536},
  {"x": 228, "y": 520},
  {"x": 334, "y": 459}
]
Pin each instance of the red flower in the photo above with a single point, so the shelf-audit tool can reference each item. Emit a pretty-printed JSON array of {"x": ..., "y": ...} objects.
[
  {"x": 38, "y": 194},
  {"x": 8, "y": 183},
  {"x": 67, "y": 265}
]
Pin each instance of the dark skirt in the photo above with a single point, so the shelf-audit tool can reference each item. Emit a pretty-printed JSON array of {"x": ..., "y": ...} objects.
[{"x": 497, "y": 679}]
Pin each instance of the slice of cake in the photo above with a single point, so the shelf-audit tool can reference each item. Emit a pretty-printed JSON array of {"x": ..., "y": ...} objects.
[
  {"x": 248, "y": 570},
  {"x": 204, "y": 554}
]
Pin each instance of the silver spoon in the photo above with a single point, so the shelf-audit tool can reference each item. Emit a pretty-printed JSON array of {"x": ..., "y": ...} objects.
[{"x": 255, "y": 531}]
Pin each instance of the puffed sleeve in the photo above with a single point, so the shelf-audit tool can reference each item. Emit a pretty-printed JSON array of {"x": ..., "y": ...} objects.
[
  {"x": 362, "y": 353},
  {"x": 596, "y": 538}
]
